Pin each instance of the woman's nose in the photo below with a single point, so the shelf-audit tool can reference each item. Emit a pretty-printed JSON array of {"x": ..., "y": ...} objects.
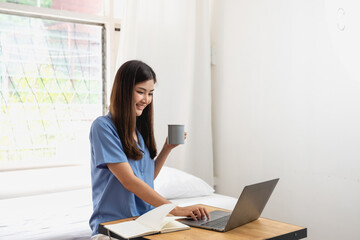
[{"x": 147, "y": 99}]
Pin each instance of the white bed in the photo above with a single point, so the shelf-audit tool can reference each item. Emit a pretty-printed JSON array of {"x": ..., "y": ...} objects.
[{"x": 65, "y": 215}]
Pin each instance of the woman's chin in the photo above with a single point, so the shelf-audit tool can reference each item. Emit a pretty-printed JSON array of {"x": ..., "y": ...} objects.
[{"x": 138, "y": 113}]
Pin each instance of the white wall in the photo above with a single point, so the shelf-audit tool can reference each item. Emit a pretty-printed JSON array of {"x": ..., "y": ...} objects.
[{"x": 286, "y": 103}]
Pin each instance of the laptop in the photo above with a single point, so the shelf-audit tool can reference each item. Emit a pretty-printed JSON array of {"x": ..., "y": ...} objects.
[{"x": 248, "y": 208}]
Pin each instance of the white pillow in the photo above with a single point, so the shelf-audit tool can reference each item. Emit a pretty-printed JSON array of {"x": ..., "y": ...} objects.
[{"x": 172, "y": 183}]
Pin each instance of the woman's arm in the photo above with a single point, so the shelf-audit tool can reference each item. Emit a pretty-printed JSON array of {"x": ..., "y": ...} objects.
[
  {"x": 161, "y": 158},
  {"x": 124, "y": 173},
  {"x": 165, "y": 151}
]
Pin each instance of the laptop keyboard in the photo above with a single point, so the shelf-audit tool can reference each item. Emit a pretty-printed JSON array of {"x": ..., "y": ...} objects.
[{"x": 217, "y": 223}]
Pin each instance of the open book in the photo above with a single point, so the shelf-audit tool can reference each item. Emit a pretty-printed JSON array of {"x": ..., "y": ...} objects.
[{"x": 154, "y": 221}]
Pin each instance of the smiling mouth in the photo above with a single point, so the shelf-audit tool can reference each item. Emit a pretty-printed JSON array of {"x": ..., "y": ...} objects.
[{"x": 140, "y": 107}]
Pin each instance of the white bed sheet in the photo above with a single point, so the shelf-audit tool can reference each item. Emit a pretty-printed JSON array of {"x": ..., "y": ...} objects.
[
  {"x": 65, "y": 215},
  {"x": 60, "y": 216}
]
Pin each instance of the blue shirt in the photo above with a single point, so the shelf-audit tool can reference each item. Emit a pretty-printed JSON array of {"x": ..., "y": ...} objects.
[{"x": 111, "y": 200}]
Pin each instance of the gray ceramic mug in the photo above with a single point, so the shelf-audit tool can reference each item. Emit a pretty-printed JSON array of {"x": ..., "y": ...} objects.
[{"x": 176, "y": 134}]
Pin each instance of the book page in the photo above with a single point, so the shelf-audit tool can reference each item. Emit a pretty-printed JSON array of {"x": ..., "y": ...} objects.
[
  {"x": 174, "y": 225},
  {"x": 130, "y": 229},
  {"x": 169, "y": 219},
  {"x": 155, "y": 217}
]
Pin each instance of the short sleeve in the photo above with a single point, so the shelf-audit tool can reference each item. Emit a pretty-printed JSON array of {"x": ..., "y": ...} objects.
[{"x": 105, "y": 143}]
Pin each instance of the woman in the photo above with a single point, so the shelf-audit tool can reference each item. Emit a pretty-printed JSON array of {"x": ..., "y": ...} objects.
[{"x": 122, "y": 152}]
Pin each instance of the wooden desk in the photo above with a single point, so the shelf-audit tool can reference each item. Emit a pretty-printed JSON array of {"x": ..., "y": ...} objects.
[{"x": 260, "y": 229}]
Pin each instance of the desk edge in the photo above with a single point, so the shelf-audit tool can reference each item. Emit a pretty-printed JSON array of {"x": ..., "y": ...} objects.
[{"x": 298, "y": 234}]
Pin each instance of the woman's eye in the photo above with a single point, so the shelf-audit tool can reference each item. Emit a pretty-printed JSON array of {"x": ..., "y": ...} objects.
[{"x": 140, "y": 92}]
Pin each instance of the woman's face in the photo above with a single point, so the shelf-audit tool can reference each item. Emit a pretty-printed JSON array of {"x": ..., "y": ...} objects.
[{"x": 143, "y": 95}]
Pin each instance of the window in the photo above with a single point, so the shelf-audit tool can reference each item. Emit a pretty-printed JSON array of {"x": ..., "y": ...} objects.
[
  {"x": 55, "y": 68},
  {"x": 51, "y": 80}
]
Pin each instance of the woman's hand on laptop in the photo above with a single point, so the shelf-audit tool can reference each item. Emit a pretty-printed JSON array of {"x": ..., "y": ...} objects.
[{"x": 196, "y": 212}]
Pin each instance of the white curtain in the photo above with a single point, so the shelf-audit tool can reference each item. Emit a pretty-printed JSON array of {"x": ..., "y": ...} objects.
[{"x": 173, "y": 37}]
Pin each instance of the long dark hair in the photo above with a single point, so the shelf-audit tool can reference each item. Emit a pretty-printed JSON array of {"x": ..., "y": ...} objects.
[{"x": 122, "y": 108}]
